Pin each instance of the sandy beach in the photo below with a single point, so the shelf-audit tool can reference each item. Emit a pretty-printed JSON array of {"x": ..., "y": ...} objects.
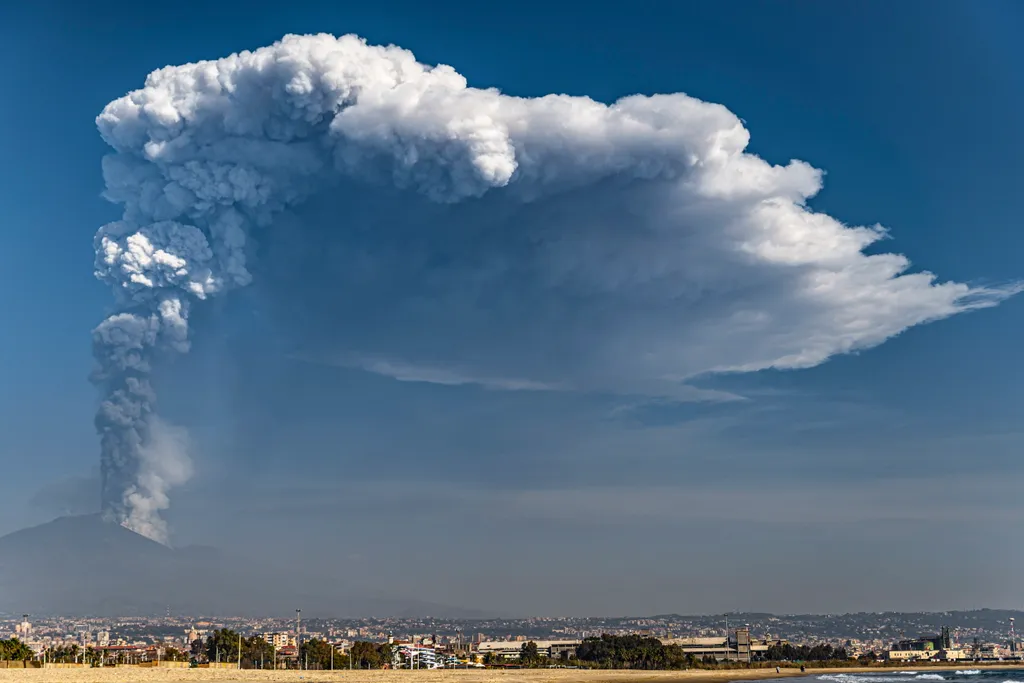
[{"x": 152, "y": 675}]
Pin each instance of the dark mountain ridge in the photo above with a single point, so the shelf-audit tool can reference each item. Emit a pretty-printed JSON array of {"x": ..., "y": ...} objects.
[{"x": 85, "y": 566}]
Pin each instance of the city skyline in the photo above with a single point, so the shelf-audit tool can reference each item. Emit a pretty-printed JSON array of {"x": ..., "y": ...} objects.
[{"x": 963, "y": 635}]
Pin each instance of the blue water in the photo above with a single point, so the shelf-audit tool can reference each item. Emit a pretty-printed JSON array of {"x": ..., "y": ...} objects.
[{"x": 910, "y": 675}]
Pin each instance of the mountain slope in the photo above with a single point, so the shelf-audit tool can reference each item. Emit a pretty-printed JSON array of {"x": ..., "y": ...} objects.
[{"x": 85, "y": 566}]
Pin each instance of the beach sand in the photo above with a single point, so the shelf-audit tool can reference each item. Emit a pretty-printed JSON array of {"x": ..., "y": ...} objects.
[{"x": 153, "y": 675}]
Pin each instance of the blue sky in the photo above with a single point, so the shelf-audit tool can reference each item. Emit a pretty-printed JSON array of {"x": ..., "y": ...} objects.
[{"x": 854, "y": 466}]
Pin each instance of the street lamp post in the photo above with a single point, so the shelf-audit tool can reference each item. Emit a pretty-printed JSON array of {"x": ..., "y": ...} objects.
[{"x": 298, "y": 636}]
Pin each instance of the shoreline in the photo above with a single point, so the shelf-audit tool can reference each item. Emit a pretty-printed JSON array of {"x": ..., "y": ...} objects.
[
  {"x": 126, "y": 674},
  {"x": 730, "y": 675},
  {"x": 154, "y": 675}
]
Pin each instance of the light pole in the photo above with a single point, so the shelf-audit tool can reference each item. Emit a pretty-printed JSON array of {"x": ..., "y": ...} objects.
[
  {"x": 298, "y": 636},
  {"x": 728, "y": 644}
]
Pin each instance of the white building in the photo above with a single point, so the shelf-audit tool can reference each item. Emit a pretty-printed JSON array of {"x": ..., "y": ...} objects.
[
  {"x": 23, "y": 630},
  {"x": 410, "y": 656},
  {"x": 911, "y": 655},
  {"x": 737, "y": 646},
  {"x": 510, "y": 649},
  {"x": 279, "y": 639}
]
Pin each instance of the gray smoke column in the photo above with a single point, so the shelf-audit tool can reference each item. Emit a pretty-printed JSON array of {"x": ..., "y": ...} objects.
[
  {"x": 142, "y": 457},
  {"x": 205, "y": 152}
]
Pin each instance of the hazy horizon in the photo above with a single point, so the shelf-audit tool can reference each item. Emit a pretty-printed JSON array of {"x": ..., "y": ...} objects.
[
  {"x": 320, "y": 595},
  {"x": 678, "y": 309}
]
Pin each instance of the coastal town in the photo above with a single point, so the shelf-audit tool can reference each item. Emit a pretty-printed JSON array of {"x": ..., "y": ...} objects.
[{"x": 425, "y": 643}]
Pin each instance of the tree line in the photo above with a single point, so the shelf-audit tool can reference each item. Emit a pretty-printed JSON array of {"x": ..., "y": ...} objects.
[
  {"x": 14, "y": 649},
  {"x": 316, "y": 654},
  {"x": 633, "y": 652},
  {"x": 644, "y": 652},
  {"x": 606, "y": 651},
  {"x": 784, "y": 652}
]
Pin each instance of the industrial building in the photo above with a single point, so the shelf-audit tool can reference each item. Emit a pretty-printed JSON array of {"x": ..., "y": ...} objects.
[
  {"x": 736, "y": 647},
  {"x": 942, "y": 641},
  {"x": 510, "y": 649},
  {"x": 929, "y": 648}
]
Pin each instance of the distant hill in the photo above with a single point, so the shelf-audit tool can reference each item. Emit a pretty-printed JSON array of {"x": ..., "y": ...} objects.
[{"x": 84, "y": 566}]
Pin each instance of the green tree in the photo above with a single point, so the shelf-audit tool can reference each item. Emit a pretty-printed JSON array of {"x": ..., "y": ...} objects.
[
  {"x": 14, "y": 649},
  {"x": 366, "y": 655},
  {"x": 529, "y": 655},
  {"x": 633, "y": 652},
  {"x": 316, "y": 654},
  {"x": 222, "y": 646},
  {"x": 257, "y": 653},
  {"x": 173, "y": 654},
  {"x": 823, "y": 652},
  {"x": 64, "y": 654},
  {"x": 384, "y": 652}
]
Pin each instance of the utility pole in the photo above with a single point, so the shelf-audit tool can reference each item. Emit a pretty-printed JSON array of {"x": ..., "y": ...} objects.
[
  {"x": 239, "y": 650},
  {"x": 298, "y": 636}
]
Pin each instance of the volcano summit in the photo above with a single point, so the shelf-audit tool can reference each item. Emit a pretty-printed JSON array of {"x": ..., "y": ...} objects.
[{"x": 85, "y": 565}]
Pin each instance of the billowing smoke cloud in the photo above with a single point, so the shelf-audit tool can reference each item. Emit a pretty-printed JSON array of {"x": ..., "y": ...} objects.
[{"x": 555, "y": 242}]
